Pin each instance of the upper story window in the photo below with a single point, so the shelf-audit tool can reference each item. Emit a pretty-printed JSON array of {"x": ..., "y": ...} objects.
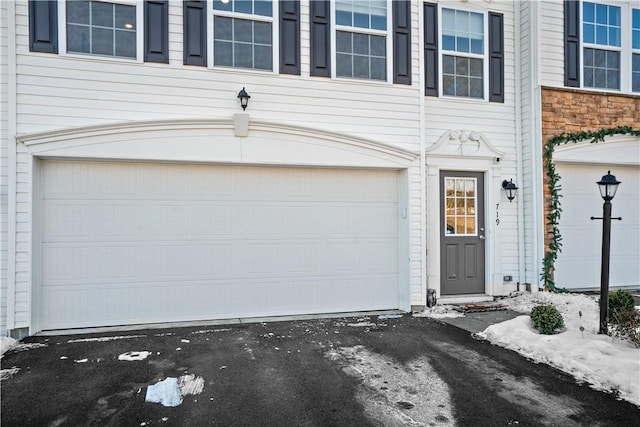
[
  {"x": 635, "y": 46},
  {"x": 463, "y": 51},
  {"x": 602, "y": 44},
  {"x": 243, "y": 34},
  {"x": 101, "y": 28},
  {"x": 602, "y": 38},
  {"x": 361, "y": 39}
]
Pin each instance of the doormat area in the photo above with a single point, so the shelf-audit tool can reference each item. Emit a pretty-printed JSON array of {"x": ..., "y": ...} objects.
[{"x": 476, "y": 308}]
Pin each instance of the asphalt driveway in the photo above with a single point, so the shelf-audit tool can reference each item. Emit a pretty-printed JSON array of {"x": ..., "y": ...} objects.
[{"x": 364, "y": 371}]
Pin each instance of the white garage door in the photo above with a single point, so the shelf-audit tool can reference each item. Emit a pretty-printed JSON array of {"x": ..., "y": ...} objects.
[
  {"x": 578, "y": 266},
  {"x": 129, "y": 243}
]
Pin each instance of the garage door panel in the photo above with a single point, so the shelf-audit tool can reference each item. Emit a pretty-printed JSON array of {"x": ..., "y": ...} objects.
[
  {"x": 578, "y": 265},
  {"x": 143, "y": 242}
]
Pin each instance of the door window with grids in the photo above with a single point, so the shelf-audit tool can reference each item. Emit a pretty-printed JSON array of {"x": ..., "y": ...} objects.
[{"x": 460, "y": 201}]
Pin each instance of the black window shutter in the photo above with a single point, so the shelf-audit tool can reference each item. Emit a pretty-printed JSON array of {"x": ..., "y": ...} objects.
[
  {"x": 431, "y": 49},
  {"x": 195, "y": 33},
  {"x": 320, "y": 38},
  {"x": 289, "y": 37},
  {"x": 43, "y": 26},
  {"x": 156, "y": 31},
  {"x": 572, "y": 43},
  {"x": 496, "y": 57},
  {"x": 402, "y": 42}
]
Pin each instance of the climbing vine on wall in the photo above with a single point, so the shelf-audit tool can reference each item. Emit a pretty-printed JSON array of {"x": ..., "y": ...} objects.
[{"x": 553, "y": 217}]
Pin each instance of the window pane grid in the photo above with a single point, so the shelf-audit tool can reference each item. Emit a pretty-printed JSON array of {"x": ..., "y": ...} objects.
[
  {"x": 370, "y": 14},
  {"x": 242, "y": 34},
  {"x": 242, "y": 43},
  {"x": 635, "y": 29},
  {"x": 463, "y": 53},
  {"x": 360, "y": 56},
  {"x": 100, "y": 28},
  {"x": 601, "y": 24},
  {"x": 601, "y": 68},
  {"x": 635, "y": 73},
  {"x": 460, "y": 211}
]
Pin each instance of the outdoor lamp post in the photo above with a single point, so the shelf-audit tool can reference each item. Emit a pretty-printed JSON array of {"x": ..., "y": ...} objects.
[{"x": 608, "y": 186}]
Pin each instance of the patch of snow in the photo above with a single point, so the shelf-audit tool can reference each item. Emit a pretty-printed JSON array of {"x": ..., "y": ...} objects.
[
  {"x": 362, "y": 325},
  {"x": 166, "y": 392},
  {"x": 183, "y": 340},
  {"x": 389, "y": 316},
  {"x": 443, "y": 311},
  {"x": 134, "y": 355},
  {"x": 5, "y": 374},
  {"x": 6, "y": 343},
  {"x": 393, "y": 393},
  {"x": 103, "y": 339},
  {"x": 81, "y": 361},
  {"x": 606, "y": 363},
  {"x": 178, "y": 348},
  {"x": 190, "y": 384},
  {"x": 63, "y": 357}
]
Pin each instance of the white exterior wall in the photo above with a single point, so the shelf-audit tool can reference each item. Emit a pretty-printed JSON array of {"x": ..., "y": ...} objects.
[
  {"x": 4, "y": 153},
  {"x": 56, "y": 92},
  {"x": 530, "y": 139},
  {"x": 496, "y": 122},
  {"x": 551, "y": 30}
]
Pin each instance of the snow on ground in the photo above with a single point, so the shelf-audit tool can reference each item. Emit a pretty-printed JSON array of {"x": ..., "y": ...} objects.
[
  {"x": 7, "y": 343},
  {"x": 439, "y": 312},
  {"x": 134, "y": 355},
  {"x": 606, "y": 363},
  {"x": 393, "y": 393}
]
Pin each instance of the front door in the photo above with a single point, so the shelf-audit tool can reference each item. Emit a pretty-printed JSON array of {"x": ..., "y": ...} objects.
[{"x": 462, "y": 233}]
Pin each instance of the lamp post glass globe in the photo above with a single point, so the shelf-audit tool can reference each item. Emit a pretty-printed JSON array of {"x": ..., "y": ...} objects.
[{"x": 608, "y": 186}]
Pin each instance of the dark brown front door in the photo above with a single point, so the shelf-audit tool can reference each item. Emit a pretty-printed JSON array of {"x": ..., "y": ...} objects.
[{"x": 462, "y": 233}]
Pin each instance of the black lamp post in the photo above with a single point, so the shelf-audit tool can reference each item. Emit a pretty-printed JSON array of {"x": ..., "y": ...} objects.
[{"x": 608, "y": 186}]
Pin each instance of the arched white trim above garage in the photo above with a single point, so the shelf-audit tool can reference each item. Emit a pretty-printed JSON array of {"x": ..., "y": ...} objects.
[
  {"x": 216, "y": 141},
  {"x": 619, "y": 150},
  {"x": 465, "y": 151}
]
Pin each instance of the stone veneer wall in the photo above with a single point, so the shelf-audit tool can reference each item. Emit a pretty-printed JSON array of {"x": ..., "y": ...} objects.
[{"x": 571, "y": 110}]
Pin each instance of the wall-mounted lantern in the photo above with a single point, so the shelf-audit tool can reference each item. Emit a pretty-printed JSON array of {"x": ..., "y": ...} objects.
[
  {"x": 243, "y": 96},
  {"x": 510, "y": 189}
]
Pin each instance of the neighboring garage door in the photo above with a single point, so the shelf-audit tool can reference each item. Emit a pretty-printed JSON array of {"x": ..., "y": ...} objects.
[
  {"x": 129, "y": 243},
  {"x": 578, "y": 266}
]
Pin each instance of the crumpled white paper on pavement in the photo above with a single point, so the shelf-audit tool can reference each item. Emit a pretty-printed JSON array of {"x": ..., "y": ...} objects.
[{"x": 166, "y": 392}]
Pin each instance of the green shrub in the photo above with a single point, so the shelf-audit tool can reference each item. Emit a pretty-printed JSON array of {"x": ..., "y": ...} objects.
[
  {"x": 622, "y": 306},
  {"x": 546, "y": 319}
]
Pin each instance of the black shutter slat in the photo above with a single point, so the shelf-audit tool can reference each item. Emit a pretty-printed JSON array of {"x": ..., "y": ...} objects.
[
  {"x": 320, "y": 20},
  {"x": 156, "y": 31},
  {"x": 195, "y": 33},
  {"x": 402, "y": 42},
  {"x": 289, "y": 37},
  {"x": 43, "y": 26},
  {"x": 572, "y": 43},
  {"x": 431, "y": 49},
  {"x": 496, "y": 57}
]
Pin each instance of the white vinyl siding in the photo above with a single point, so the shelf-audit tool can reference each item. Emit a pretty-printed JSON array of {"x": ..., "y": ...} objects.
[{"x": 4, "y": 173}]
